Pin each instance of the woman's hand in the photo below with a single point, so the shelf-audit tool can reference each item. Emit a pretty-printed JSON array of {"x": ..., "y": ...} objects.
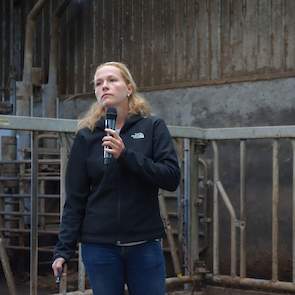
[
  {"x": 57, "y": 266},
  {"x": 113, "y": 143}
]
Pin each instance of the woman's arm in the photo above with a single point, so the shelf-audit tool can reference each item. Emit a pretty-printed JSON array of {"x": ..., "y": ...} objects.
[
  {"x": 163, "y": 169},
  {"x": 77, "y": 190}
]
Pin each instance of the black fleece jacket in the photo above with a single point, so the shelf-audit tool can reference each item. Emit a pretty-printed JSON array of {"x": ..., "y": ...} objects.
[{"x": 118, "y": 202}]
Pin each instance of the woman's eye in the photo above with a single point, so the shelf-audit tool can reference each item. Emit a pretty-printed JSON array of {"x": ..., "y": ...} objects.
[{"x": 97, "y": 84}]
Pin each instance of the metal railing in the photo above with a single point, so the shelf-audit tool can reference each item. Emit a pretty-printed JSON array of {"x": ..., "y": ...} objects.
[{"x": 192, "y": 138}]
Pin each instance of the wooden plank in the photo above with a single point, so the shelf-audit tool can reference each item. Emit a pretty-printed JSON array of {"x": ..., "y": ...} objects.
[
  {"x": 215, "y": 23},
  {"x": 99, "y": 28},
  {"x": 277, "y": 34},
  {"x": 63, "y": 58},
  {"x": 108, "y": 28},
  {"x": 179, "y": 41},
  {"x": 290, "y": 29},
  {"x": 168, "y": 25},
  {"x": 78, "y": 46},
  {"x": 236, "y": 37},
  {"x": 88, "y": 49},
  {"x": 137, "y": 39},
  {"x": 250, "y": 36},
  {"x": 263, "y": 36},
  {"x": 70, "y": 44},
  {"x": 157, "y": 41},
  {"x": 147, "y": 36},
  {"x": 204, "y": 40},
  {"x": 190, "y": 38},
  {"x": 116, "y": 34},
  {"x": 2, "y": 41},
  {"x": 95, "y": 34}
]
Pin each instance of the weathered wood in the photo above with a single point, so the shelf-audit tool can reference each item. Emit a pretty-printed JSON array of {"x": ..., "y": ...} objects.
[
  {"x": 163, "y": 42},
  {"x": 5, "y": 108}
]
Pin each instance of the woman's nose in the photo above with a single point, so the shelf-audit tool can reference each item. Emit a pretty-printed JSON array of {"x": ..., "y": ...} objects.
[{"x": 105, "y": 84}]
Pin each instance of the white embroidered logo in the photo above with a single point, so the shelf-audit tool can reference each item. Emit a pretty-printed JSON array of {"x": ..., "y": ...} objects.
[{"x": 137, "y": 135}]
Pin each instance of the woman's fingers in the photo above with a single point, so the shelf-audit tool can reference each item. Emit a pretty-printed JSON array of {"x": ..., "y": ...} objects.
[
  {"x": 113, "y": 143},
  {"x": 57, "y": 266}
]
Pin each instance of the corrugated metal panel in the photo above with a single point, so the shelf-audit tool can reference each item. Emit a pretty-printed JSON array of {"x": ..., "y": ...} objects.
[{"x": 166, "y": 43}]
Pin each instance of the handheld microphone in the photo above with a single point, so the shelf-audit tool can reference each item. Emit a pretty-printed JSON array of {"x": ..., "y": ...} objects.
[{"x": 110, "y": 122}]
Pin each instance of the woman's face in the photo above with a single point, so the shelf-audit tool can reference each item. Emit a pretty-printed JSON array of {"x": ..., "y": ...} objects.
[{"x": 111, "y": 89}]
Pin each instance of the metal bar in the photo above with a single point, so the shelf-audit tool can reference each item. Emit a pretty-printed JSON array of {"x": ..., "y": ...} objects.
[
  {"x": 37, "y": 124},
  {"x": 186, "y": 193},
  {"x": 193, "y": 214},
  {"x": 17, "y": 230},
  {"x": 40, "y": 161},
  {"x": 242, "y": 209},
  {"x": 6, "y": 269},
  {"x": 215, "y": 210},
  {"x": 28, "y": 196},
  {"x": 36, "y": 9},
  {"x": 275, "y": 201},
  {"x": 293, "y": 214},
  {"x": 34, "y": 216},
  {"x": 170, "y": 283},
  {"x": 169, "y": 234},
  {"x": 11, "y": 178},
  {"x": 63, "y": 164},
  {"x": 70, "y": 126},
  {"x": 81, "y": 272},
  {"x": 17, "y": 213},
  {"x": 233, "y": 222},
  {"x": 252, "y": 283},
  {"x": 61, "y": 8}
]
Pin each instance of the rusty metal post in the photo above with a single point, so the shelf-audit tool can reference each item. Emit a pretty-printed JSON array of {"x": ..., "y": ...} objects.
[
  {"x": 81, "y": 272},
  {"x": 63, "y": 165},
  {"x": 193, "y": 212},
  {"x": 169, "y": 234},
  {"x": 34, "y": 215},
  {"x": 242, "y": 209},
  {"x": 233, "y": 224},
  {"x": 275, "y": 201},
  {"x": 293, "y": 214},
  {"x": 6, "y": 269},
  {"x": 215, "y": 210},
  {"x": 186, "y": 194}
]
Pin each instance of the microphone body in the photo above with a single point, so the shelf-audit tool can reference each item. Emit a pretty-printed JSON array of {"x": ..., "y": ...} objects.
[{"x": 110, "y": 122}]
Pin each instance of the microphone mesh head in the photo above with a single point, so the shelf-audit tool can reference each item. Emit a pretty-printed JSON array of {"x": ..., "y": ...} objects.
[{"x": 111, "y": 114}]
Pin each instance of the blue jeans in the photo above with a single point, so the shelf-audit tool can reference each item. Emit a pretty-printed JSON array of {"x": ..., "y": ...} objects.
[{"x": 141, "y": 267}]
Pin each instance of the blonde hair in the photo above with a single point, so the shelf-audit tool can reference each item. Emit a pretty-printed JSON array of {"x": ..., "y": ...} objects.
[{"x": 137, "y": 104}]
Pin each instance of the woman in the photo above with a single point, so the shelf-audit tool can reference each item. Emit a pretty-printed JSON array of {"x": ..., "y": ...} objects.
[{"x": 113, "y": 209}]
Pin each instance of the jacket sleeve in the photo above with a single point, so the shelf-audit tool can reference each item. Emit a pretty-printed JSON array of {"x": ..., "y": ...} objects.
[
  {"x": 77, "y": 189},
  {"x": 162, "y": 169}
]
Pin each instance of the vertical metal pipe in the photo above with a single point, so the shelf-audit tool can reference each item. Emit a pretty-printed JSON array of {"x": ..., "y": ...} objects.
[
  {"x": 6, "y": 269},
  {"x": 4, "y": 19},
  {"x": 233, "y": 223},
  {"x": 81, "y": 272},
  {"x": 169, "y": 234},
  {"x": 186, "y": 220},
  {"x": 63, "y": 165},
  {"x": 275, "y": 201},
  {"x": 34, "y": 215},
  {"x": 215, "y": 210},
  {"x": 193, "y": 212},
  {"x": 293, "y": 214},
  {"x": 242, "y": 209}
]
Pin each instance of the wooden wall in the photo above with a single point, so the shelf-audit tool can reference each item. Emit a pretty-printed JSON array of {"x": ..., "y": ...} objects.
[{"x": 167, "y": 43}]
